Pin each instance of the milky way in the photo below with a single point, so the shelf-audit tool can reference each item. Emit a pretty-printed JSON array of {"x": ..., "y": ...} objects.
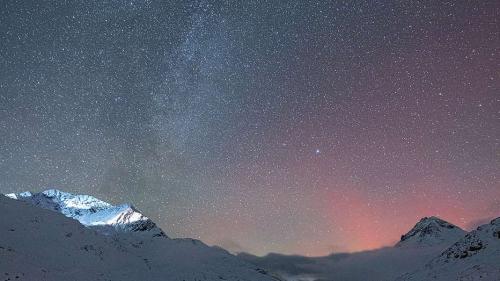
[{"x": 258, "y": 126}]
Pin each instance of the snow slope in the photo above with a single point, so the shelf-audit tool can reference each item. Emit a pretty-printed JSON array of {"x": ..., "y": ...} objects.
[
  {"x": 40, "y": 244},
  {"x": 476, "y": 256}
]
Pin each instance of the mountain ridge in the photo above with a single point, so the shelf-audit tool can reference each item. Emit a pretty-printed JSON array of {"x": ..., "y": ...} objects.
[{"x": 91, "y": 212}]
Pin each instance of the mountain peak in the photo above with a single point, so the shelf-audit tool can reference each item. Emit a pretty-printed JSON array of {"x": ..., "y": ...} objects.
[
  {"x": 91, "y": 211},
  {"x": 430, "y": 231},
  {"x": 75, "y": 201},
  {"x": 435, "y": 220},
  {"x": 475, "y": 256}
]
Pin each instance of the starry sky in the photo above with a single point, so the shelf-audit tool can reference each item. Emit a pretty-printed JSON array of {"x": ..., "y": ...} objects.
[{"x": 297, "y": 127}]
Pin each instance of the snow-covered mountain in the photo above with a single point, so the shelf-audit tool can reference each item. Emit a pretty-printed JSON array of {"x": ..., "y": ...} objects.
[
  {"x": 430, "y": 239},
  {"x": 39, "y": 241},
  {"x": 431, "y": 232},
  {"x": 91, "y": 211},
  {"x": 42, "y": 244},
  {"x": 476, "y": 256}
]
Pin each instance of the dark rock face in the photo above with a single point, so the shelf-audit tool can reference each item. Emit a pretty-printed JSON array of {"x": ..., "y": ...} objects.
[
  {"x": 144, "y": 225},
  {"x": 466, "y": 248}
]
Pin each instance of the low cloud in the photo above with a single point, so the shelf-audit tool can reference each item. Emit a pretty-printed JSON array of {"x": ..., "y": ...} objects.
[
  {"x": 475, "y": 223},
  {"x": 231, "y": 246},
  {"x": 493, "y": 209}
]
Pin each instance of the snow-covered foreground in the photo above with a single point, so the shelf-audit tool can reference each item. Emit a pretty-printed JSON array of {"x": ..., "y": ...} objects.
[
  {"x": 432, "y": 250},
  {"x": 40, "y": 244}
]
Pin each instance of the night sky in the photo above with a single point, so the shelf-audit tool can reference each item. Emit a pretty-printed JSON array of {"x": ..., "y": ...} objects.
[{"x": 260, "y": 126}]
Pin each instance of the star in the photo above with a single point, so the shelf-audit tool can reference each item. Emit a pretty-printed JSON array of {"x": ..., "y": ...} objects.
[{"x": 202, "y": 114}]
